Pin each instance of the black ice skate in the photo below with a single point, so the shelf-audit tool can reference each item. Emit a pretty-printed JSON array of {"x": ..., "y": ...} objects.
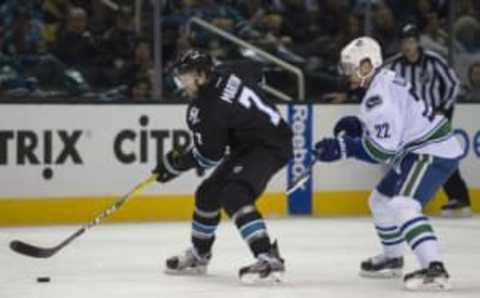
[
  {"x": 455, "y": 208},
  {"x": 190, "y": 263},
  {"x": 269, "y": 267},
  {"x": 382, "y": 267},
  {"x": 434, "y": 278}
]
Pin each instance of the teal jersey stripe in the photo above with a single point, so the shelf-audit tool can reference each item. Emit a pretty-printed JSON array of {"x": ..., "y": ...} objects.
[
  {"x": 375, "y": 151},
  {"x": 390, "y": 236},
  {"x": 439, "y": 133},
  {"x": 203, "y": 161},
  {"x": 414, "y": 176},
  {"x": 442, "y": 130}
]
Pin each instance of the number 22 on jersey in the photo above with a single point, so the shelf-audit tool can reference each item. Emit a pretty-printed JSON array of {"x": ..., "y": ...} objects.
[{"x": 383, "y": 130}]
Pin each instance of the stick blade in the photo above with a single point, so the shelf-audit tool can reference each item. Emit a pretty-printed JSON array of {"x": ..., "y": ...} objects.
[{"x": 30, "y": 250}]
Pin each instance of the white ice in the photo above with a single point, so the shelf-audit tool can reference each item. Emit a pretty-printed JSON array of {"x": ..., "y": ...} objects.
[{"x": 126, "y": 260}]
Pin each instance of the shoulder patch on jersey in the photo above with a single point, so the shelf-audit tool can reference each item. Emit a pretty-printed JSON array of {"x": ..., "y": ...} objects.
[
  {"x": 373, "y": 101},
  {"x": 231, "y": 88},
  {"x": 193, "y": 115}
]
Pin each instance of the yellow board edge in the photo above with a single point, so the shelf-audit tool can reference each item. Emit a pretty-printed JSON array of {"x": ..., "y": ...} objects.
[
  {"x": 355, "y": 203},
  {"x": 77, "y": 210},
  {"x": 72, "y": 210}
]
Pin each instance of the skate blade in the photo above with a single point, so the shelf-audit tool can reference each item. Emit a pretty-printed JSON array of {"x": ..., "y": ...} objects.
[
  {"x": 460, "y": 213},
  {"x": 437, "y": 285},
  {"x": 197, "y": 271},
  {"x": 384, "y": 274},
  {"x": 255, "y": 279}
]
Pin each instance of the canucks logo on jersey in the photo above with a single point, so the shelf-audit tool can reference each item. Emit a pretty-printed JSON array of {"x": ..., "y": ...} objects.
[{"x": 373, "y": 101}]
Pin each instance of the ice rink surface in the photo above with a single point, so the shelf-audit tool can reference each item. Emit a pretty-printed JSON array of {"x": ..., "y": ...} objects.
[{"x": 126, "y": 260}]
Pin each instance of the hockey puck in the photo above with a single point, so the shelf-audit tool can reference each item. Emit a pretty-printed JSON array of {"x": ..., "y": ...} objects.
[{"x": 43, "y": 279}]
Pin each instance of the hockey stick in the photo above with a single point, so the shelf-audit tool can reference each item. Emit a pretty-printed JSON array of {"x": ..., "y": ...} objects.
[
  {"x": 46, "y": 252},
  {"x": 303, "y": 178}
]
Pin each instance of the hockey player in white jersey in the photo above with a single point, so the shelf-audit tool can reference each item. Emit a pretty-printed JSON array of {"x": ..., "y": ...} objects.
[{"x": 394, "y": 127}]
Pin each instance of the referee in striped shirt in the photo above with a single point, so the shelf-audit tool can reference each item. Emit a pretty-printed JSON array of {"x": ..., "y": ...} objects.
[{"x": 437, "y": 84}]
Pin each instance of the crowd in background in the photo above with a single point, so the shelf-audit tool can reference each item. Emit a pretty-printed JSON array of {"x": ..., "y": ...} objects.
[
  {"x": 71, "y": 48},
  {"x": 91, "y": 48}
]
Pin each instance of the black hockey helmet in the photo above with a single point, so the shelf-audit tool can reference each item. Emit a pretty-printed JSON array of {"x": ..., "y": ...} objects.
[
  {"x": 410, "y": 30},
  {"x": 193, "y": 60}
]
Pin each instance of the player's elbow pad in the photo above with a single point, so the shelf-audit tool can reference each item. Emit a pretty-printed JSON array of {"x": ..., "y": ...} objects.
[{"x": 356, "y": 149}]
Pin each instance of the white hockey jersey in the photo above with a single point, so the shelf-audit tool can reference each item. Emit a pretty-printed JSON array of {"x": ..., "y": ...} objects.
[{"x": 396, "y": 122}]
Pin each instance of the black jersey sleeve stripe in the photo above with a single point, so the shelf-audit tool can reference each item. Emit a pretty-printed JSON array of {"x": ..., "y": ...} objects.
[{"x": 203, "y": 161}]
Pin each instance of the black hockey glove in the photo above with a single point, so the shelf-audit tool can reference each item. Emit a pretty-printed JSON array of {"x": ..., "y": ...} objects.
[
  {"x": 350, "y": 126},
  {"x": 167, "y": 168}
]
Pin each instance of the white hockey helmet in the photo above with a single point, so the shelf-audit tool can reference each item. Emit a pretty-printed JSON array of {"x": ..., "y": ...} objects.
[{"x": 356, "y": 52}]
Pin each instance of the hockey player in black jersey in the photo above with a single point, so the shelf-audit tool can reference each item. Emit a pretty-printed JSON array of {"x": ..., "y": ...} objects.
[{"x": 228, "y": 113}]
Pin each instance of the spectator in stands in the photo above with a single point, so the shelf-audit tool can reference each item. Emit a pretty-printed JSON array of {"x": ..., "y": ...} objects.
[
  {"x": 331, "y": 15},
  {"x": 352, "y": 28},
  {"x": 385, "y": 29},
  {"x": 182, "y": 11},
  {"x": 466, "y": 8},
  {"x": 225, "y": 16},
  {"x": 24, "y": 37},
  {"x": 140, "y": 89},
  {"x": 252, "y": 13},
  {"x": 119, "y": 42},
  {"x": 101, "y": 13},
  {"x": 433, "y": 37},
  {"x": 297, "y": 21},
  {"x": 56, "y": 10},
  {"x": 424, "y": 8},
  {"x": 467, "y": 33},
  {"x": 274, "y": 35},
  {"x": 473, "y": 88},
  {"x": 56, "y": 13},
  {"x": 23, "y": 50},
  {"x": 78, "y": 48},
  {"x": 12, "y": 79},
  {"x": 250, "y": 10},
  {"x": 141, "y": 66},
  {"x": 307, "y": 33},
  {"x": 220, "y": 15}
]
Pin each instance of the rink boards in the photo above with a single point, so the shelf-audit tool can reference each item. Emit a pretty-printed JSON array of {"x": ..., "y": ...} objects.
[{"x": 63, "y": 163}]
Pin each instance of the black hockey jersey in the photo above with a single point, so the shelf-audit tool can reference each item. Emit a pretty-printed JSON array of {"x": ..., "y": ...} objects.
[{"x": 230, "y": 113}]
